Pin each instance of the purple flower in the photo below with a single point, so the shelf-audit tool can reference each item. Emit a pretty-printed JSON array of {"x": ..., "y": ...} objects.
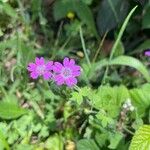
[
  {"x": 40, "y": 68},
  {"x": 147, "y": 53},
  {"x": 66, "y": 73}
]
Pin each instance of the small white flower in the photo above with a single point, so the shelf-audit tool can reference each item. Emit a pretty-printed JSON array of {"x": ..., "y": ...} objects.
[
  {"x": 132, "y": 108},
  {"x": 128, "y": 105},
  {"x": 125, "y": 105}
]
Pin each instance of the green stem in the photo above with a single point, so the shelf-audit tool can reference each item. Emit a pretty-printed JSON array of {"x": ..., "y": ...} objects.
[{"x": 84, "y": 48}]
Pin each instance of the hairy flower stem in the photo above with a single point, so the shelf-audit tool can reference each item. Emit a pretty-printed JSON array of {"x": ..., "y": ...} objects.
[{"x": 84, "y": 48}]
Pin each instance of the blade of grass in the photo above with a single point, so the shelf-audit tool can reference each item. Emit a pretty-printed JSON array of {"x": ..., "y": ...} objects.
[{"x": 118, "y": 40}]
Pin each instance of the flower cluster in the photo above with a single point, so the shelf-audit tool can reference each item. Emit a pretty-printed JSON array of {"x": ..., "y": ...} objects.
[
  {"x": 128, "y": 105},
  {"x": 61, "y": 73}
]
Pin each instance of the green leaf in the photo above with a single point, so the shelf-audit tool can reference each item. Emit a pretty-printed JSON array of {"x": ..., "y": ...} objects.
[
  {"x": 61, "y": 8},
  {"x": 78, "y": 96},
  {"x": 85, "y": 14},
  {"x": 109, "y": 99},
  {"x": 146, "y": 19},
  {"x": 141, "y": 98},
  {"x": 110, "y": 14},
  {"x": 87, "y": 144},
  {"x": 115, "y": 140},
  {"x": 10, "y": 110},
  {"x": 141, "y": 139}
]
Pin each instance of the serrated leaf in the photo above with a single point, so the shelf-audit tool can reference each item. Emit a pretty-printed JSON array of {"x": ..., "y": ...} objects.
[
  {"x": 141, "y": 139},
  {"x": 10, "y": 110},
  {"x": 141, "y": 98}
]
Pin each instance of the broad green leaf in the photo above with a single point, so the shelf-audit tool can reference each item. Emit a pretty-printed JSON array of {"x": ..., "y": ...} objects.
[
  {"x": 87, "y": 144},
  {"x": 146, "y": 19},
  {"x": 61, "y": 8},
  {"x": 110, "y": 14},
  {"x": 85, "y": 14},
  {"x": 141, "y": 139},
  {"x": 10, "y": 110}
]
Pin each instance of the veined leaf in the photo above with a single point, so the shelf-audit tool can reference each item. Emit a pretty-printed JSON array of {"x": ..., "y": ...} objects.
[
  {"x": 10, "y": 110},
  {"x": 141, "y": 139}
]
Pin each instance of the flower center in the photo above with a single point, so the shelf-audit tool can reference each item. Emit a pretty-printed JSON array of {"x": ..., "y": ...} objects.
[
  {"x": 41, "y": 69},
  {"x": 66, "y": 72}
]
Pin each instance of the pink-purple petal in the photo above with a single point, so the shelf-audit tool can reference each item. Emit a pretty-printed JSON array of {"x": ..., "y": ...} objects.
[
  {"x": 76, "y": 73},
  {"x": 49, "y": 65},
  {"x": 72, "y": 62},
  {"x": 47, "y": 75},
  {"x": 57, "y": 67},
  {"x": 59, "y": 79},
  {"x": 71, "y": 81},
  {"x": 39, "y": 61},
  {"x": 34, "y": 75},
  {"x": 31, "y": 67},
  {"x": 66, "y": 61},
  {"x": 76, "y": 68}
]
